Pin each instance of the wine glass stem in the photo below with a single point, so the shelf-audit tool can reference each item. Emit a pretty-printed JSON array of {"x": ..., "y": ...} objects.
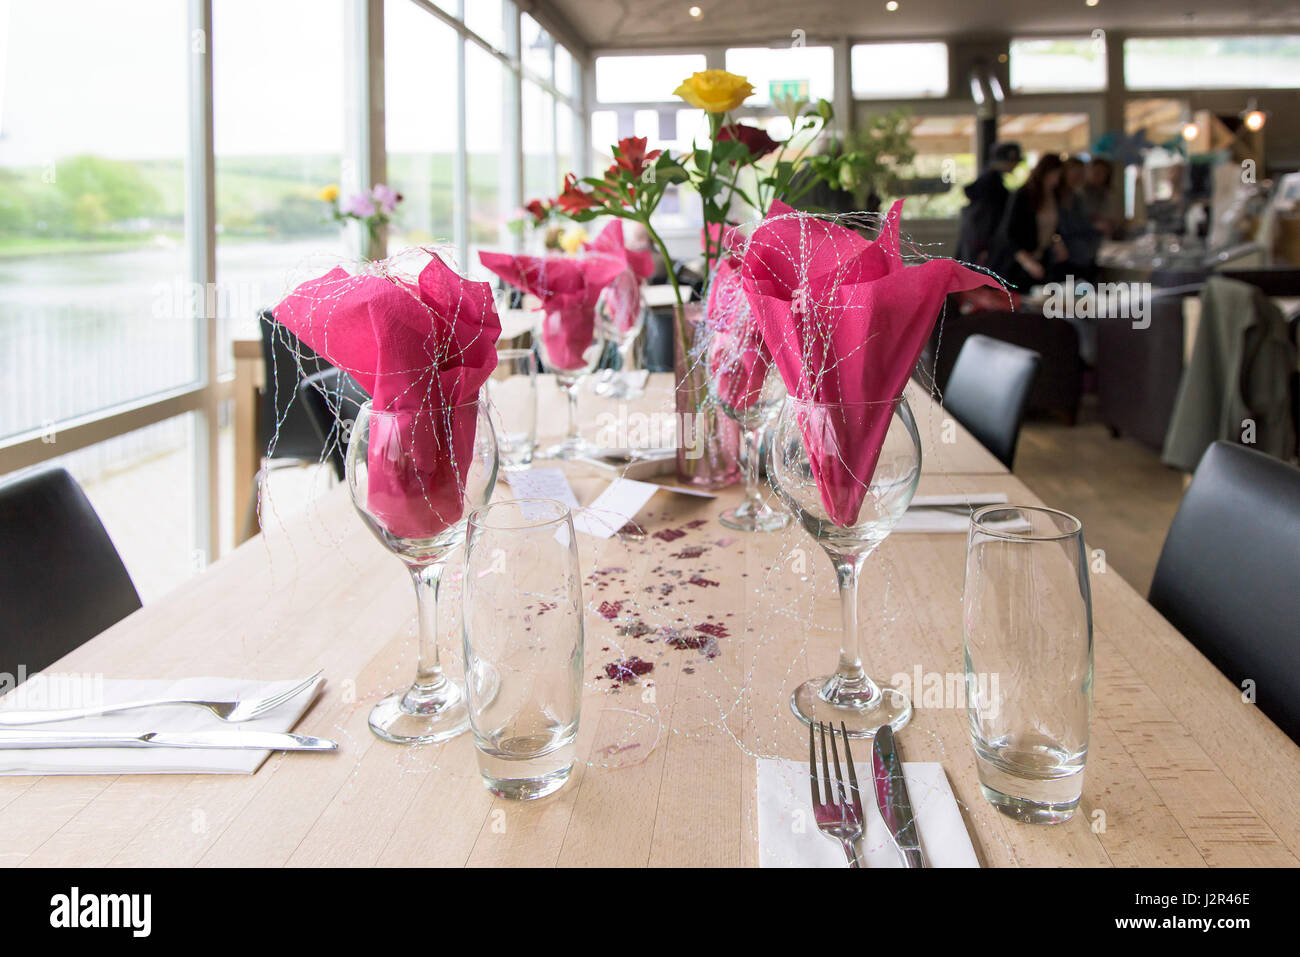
[
  {"x": 846, "y": 574},
  {"x": 571, "y": 391},
  {"x": 429, "y": 669},
  {"x": 753, "y": 437}
]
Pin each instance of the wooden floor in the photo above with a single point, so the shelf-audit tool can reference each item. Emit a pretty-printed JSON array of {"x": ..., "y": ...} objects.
[{"x": 1118, "y": 488}]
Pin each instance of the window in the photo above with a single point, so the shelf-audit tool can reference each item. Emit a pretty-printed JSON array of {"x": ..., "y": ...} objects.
[
  {"x": 1039, "y": 133},
  {"x": 1199, "y": 63},
  {"x": 1058, "y": 65},
  {"x": 541, "y": 178},
  {"x": 485, "y": 138},
  {"x": 893, "y": 71},
  {"x": 278, "y": 136},
  {"x": 94, "y": 282},
  {"x": 564, "y": 70},
  {"x": 421, "y": 124},
  {"x": 142, "y": 486},
  {"x": 799, "y": 72},
  {"x": 537, "y": 49},
  {"x": 643, "y": 79},
  {"x": 1160, "y": 119},
  {"x": 564, "y": 141},
  {"x": 487, "y": 19},
  {"x": 944, "y": 164}
]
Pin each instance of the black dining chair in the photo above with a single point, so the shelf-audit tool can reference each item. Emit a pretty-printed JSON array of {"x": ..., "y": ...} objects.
[
  {"x": 1229, "y": 574},
  {"x": 332, "y": 399},
  {"x": 286, "y": 435},
  {"x": 987, "y": 392},
  {"x": 61, "y": 580}
]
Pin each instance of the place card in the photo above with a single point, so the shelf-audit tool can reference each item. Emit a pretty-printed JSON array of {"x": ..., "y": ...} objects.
[
  {"x": 542, "y": 483},
  {"x": 614, "y": 507}
]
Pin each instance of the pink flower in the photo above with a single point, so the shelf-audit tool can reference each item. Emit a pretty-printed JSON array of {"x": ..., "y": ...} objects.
[
  {"x": 386, "y": 197},
  {"x": 359, "y": 205}
]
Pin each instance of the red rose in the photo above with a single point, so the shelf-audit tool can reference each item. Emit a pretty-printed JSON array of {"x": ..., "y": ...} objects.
[{"x": 755, "y": 139}]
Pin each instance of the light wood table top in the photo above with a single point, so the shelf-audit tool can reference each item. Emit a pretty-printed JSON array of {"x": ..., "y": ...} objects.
[{"x": 1180, "y": 772}]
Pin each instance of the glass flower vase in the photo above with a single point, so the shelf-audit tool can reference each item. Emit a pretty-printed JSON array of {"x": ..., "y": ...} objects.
[{"x": 708, "y": 442}]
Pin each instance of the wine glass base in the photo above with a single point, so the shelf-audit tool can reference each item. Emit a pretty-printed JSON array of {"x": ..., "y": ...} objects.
[
  {"x": 752, "y": 519},
  {"x": 571, "y": 449},
  {"x": 417, "y": 716},
  {"x": 890, "y": 707}
]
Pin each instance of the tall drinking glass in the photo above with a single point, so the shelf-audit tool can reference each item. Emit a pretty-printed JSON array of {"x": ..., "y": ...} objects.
[
  {"x": 522, "y": 626},
  {"x": 513, "y": 391},
  {"x": 754, "y": 413},
  {"x": 1028, "y": 651},
  {"x": 622, "y": 313},
  {"x": 838, "y": 433},
  {"x": 571, "y": 355},
  {"x": 412, "y": 477}
]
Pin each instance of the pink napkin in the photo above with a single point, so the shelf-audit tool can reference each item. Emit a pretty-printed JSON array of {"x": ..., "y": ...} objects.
[
  {"x": 568, "y": 288},
  {"x": 623, "y": 293},
  {"x": 845, "y": 321},
  {"x": 738, "y": 359},
  {"x": 422, "y": 351}
]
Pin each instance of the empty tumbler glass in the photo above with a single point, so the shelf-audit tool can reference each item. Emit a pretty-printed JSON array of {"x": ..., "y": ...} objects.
[
  {"x": 523, "y": 634},
  {"x": 1028, "y": 651}
]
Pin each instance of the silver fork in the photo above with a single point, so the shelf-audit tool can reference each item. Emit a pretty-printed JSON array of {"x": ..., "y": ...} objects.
[
  {"x": 234, "y": 711},
  {"x": 842, "y": 819}
]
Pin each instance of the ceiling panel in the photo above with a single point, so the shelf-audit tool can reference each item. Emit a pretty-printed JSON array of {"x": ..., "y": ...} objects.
[{"x": 605, "y": 24}]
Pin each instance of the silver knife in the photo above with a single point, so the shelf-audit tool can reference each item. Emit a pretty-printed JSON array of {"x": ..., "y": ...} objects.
[
  {"x": 253, "y": 740},
  {"x": 892, "y": 798}
]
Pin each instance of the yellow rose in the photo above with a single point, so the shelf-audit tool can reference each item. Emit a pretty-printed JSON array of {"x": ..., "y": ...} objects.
[
  {"x": 715, "y": 91},
  {"x": 327, "y": 194},
  {"x": 572, "y": 239}
]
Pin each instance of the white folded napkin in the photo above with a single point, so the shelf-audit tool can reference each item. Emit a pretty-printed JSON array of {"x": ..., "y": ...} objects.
[
  {"x": 788, "y": 835},
  {"x": 71, "y": 691},
  {"x": 632, "y": 378},
  {"x": 934, "y": 513}
]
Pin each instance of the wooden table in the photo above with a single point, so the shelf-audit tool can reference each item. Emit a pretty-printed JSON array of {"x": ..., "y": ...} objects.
[{"x": 1181, "y": 772}]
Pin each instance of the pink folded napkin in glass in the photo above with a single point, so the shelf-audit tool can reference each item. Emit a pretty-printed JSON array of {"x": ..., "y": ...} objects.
[
  {"x": 845, "y": 320},
  {"x": 623, "y": 293},
  {"x": 422, "y": 351},
  {"x": 568, "y": 287}
]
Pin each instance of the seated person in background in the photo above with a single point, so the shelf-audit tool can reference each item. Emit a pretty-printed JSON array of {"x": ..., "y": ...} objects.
[
  {"x": 1027, "y": 249},
  {"x": 987, "y": 200},
  {"x": 1080, "y": 237}
]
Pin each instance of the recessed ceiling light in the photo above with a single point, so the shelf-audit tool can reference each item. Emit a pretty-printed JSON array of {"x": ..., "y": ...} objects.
[
  {"x": 695, "y": 12},
  {"x": 891, "y": 6},
  {"x": 1091, "y": 3}
]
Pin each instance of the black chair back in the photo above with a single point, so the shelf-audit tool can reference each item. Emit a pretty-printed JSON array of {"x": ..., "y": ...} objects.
[
  {"x": 288, "y": 360},
  {"x": 61, "y": 580},
  {"x": 1229, "y": 575},
  {"x": 988, "y": 389},
  {"x": 330, "y": 399}
]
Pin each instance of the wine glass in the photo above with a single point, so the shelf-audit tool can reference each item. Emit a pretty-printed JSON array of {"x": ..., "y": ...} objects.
[
  {"x": 571, "y": 346},
  {"x": 840, "y": 435},
  {"x": 754, "y": 407},
  {"x": 621, "y": 313},
  {"x": 413, "y": 476}
]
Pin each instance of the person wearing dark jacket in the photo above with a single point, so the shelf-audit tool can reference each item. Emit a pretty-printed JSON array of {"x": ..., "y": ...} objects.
[
  {"x": 986, "y": 201},
  {"x": 1028, "y": 249}
]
